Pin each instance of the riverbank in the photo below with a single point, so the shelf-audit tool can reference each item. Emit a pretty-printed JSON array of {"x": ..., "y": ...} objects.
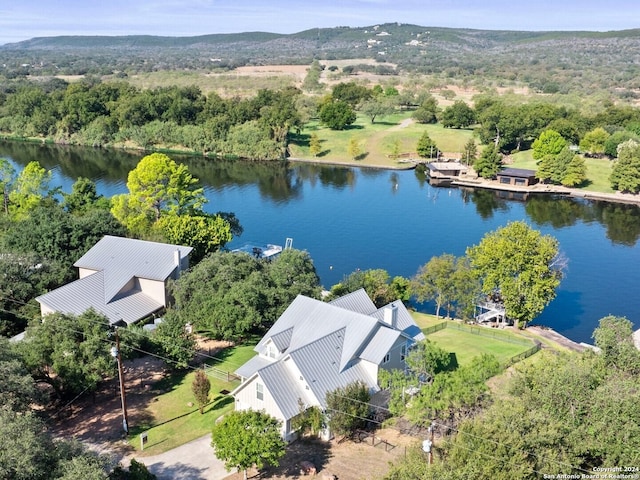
[{"x": 541, "y": 188}]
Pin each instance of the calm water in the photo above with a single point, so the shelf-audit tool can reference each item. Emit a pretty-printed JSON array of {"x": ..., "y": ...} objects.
[{"x": 350, "y": 218}]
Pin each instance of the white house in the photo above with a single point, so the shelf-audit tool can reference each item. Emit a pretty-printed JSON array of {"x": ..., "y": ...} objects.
[
  {"x": 122, "y": 278},
  {"x": 316, "y": 347}
]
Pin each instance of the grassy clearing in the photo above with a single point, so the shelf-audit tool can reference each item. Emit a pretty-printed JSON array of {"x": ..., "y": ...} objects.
[
  {"x": 598, "y": 170},
  {"x": 171, "y": 421},
  {"x": 425, "y": 320},
  {"x": 376, "y": 140},
  {"x": 467, "y": 345}
]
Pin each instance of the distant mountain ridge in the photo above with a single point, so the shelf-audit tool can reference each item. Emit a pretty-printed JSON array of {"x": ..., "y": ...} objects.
[{"x": 403, "y": 33}]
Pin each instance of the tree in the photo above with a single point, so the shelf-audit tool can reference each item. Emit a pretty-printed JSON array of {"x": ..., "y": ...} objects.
[
  {"x": 29, "y": 189},
  {"x": 576, "y": 172},
  {"x": 458, "y": 115},
  {"x": 84, "y": 197},
  {"x": 521, "y": 266},
  {"x": 427, "y": 111},
  {"x": 230, "y": 294},
  {"x": 377, "y": 107},
  {"x": 594, "y": 141},
  {"x": 434, "y": 281},
  {"x": 614, "y": 337},
  {"x": 426, "y": 147},
  {"x": 71, "y": 353},
  {"x": 173, "y": 340},
  {"x": 200, "y": 388},
  {"x": 549, "y": 142},
  {"x": 489, "y": 163},
  {"x": 246, "y": 438},
  {"x": 615, "y": 139},
  {"x": 157, "y": 186},
  {"x": 350, "y": 92},
  {"x": 308, "y": 421},
  {"x": 428, "y": 359},
  {"x": 17, "y": 389},
  {"x": 625, "y": 174},
  {"x": 348, "y": 408},
  {"x": 315, "y": 147},
  {"x": 353, "y": 149},
  {"x": 375, "y": 282},
  {"x": 337, "y": 114},
  {"x": 204, "y": 232},
  {"x": 7, "y": 177},
  {"x": 469, "y": 152}
]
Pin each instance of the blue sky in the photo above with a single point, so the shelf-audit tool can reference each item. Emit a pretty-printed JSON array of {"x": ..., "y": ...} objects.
[{"x": 24, "y": 19}]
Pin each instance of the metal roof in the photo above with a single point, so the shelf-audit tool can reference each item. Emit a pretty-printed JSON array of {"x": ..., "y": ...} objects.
[
  {"x": 253, "y": 365},
  {"x": 404, "y": 321},
  {"x": 516, "y": 172},
  {"x": 122, "y": 259},
  {"x": 285, "y": 389},
  {"x": 324, "y": 344},
  {"x": 380, "y": 344},
  {"x": 326, "y": 375},
  {"x": 357, "y": 301},
  {"x": 77, "y": 297},
  {"x": 310, "y": 319}
]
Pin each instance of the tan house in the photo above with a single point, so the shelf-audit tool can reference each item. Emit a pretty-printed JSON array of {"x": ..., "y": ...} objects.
[
  {"x": 316, "y": 347},
  {"x": 121, "y": 278}
]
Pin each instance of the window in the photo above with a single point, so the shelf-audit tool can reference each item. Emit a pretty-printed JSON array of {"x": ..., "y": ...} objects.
[
  {"x": 271, "y": 351},
  {"x": 403, "y": 352},
  {"x": 386, "y": 358},
  {"x": 259, "y": 391}
]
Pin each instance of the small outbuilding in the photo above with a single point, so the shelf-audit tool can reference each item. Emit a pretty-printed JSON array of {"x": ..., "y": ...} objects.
[{"x": 519, "y": 177}]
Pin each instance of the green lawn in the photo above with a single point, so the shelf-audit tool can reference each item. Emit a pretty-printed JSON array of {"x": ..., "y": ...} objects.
[
  {"x": 598, "y": 170},
  {"x": 425, "y": 320},
  {"x": 376, "y": 140},
  {"x": 169, "y": 420},
  {"x": 467, "y": 345}
]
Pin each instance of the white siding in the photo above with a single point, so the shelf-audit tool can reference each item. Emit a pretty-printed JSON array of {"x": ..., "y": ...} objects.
[
  {"x": 84, "y": 272},
  {"x": 153, "y": 289},
  {"x": 246, "y": 400}
]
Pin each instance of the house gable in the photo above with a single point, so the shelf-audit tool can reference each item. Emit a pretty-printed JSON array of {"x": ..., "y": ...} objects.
[
  {"x": 325, "y": 346},
  {"x": 122, "y": 278}
]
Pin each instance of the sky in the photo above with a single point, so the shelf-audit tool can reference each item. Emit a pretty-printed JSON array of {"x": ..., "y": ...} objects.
[{"x": 24, "y": 19}]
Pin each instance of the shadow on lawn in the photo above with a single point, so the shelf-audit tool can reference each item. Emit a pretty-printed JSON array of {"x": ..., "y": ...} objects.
[{"x": 306, "y": 449}]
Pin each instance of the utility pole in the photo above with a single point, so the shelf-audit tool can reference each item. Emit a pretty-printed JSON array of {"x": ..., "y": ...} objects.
[{"x": 115, "y": 352}]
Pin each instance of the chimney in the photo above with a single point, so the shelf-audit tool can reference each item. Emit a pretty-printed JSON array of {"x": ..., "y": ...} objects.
[
  {"x": 177, "y": 260},
  {"x": 391, "y": 315}
]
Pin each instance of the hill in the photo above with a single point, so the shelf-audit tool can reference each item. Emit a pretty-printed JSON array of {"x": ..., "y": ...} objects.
[{"x": 547, "y": 62}]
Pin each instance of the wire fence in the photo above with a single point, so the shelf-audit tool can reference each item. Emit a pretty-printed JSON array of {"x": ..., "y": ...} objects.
[{"x": 489, "y": 333}]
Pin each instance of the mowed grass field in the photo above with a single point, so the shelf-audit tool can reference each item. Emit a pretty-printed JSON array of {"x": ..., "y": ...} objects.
[
  {"x": 171, "y": 422},
  {"x": 377, "y": 140},
  {"x": 467, "y": 345}
]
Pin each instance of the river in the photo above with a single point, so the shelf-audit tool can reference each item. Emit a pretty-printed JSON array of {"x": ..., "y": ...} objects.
[{"x": 350, "y": 218}]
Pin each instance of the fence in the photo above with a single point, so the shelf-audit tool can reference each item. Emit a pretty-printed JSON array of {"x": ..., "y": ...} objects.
[
  {"x": 222, "y": 375},
  {"x": 488, "y": 333},
  {"x": 526, "y": 354}
]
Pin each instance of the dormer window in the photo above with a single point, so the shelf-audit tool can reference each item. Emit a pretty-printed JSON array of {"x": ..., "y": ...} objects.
[{"x": 271, "y": 351}]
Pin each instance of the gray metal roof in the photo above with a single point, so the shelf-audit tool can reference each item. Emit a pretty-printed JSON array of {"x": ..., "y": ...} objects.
[
  {"x": 404, "y": 321},
  {"x": 77, "y": 297},
  {"x": 357, "y": 301},
  {"x": 122, "y": 259},
  {"x": 310, "y": 319},
  {"x": 284, "y": 388},
  {"x": 319, "y": 364},
  {"x": 253, "y": 365},
  {"x": 380, "y": 344},
  {"x": 325, "y": 343}
]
